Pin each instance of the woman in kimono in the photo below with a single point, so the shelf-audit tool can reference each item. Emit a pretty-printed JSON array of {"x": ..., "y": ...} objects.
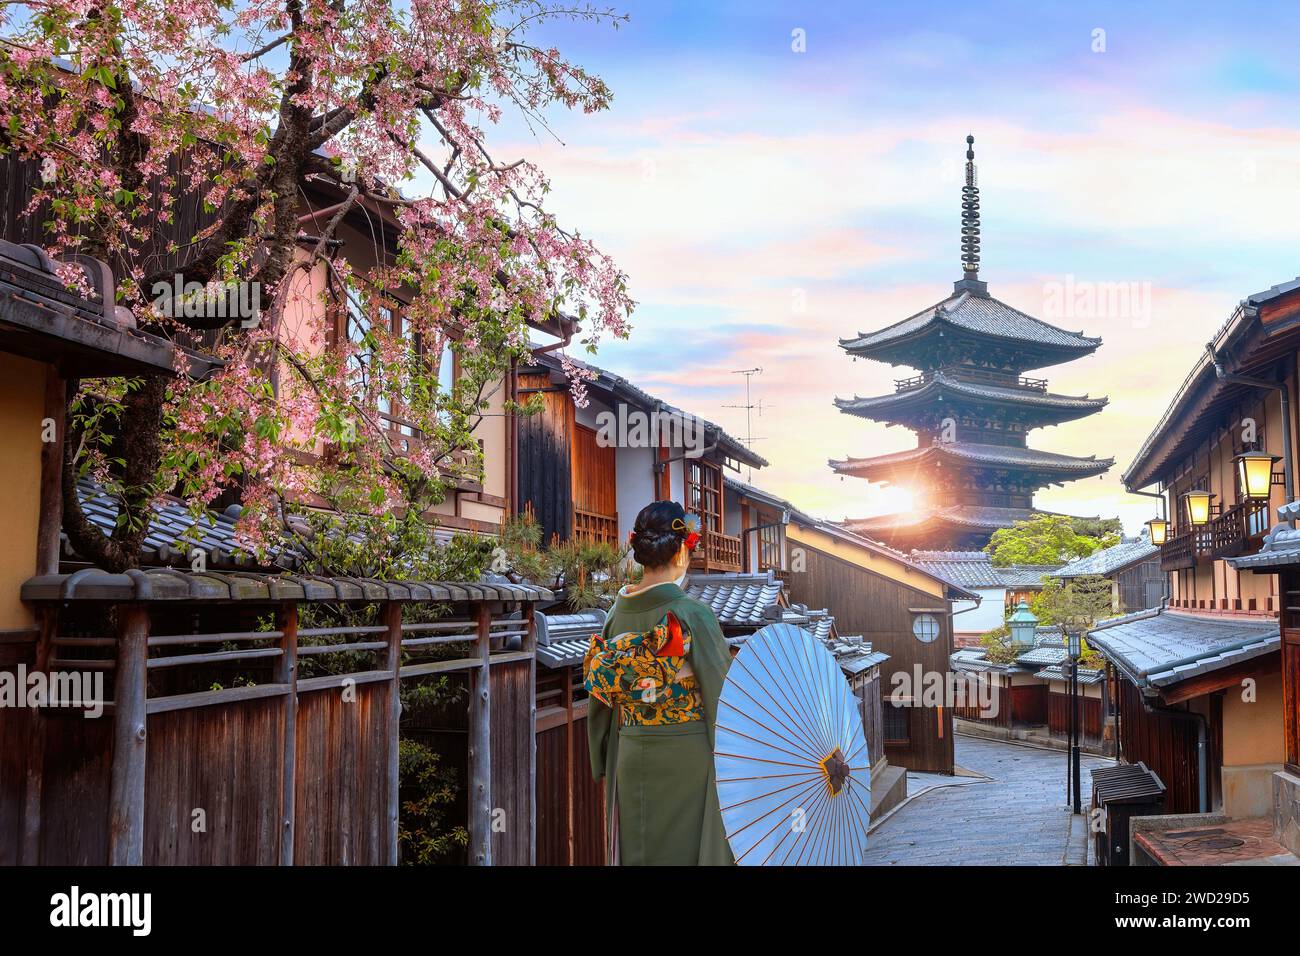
[{"x": 653, "y": 677}]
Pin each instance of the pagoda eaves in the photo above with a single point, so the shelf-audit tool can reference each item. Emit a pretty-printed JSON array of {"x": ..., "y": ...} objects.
[
  {"x": 972, "y": 471},
  {"x": 971, "y": 328},
  {"x": 924, "y": 401}
]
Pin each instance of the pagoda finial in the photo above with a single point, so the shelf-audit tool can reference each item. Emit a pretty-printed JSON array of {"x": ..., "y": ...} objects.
[{"x": 970, "y": 227}]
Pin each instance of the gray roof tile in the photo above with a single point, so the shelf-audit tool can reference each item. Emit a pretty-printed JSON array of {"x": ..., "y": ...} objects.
[
  {"x": 738, "y": 600},
  {"x": 1110, "y": 560},
  {"x": 981, "y": 314},
  {"x": 978, "y": 454},
  {"x": 940, "y": 384},
  {"x": 1159, "y": 648},
  {"x": 1058, "y": 672}
]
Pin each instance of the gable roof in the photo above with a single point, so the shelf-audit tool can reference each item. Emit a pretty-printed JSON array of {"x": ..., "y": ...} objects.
[
  {"x": 844, "y": 535},
  {"x": 1109, "y": 560},
  {"x": 621, "y": 389}
]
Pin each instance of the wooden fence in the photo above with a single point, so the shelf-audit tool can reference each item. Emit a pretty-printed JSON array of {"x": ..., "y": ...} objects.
[{"x": 279, "y": 770}]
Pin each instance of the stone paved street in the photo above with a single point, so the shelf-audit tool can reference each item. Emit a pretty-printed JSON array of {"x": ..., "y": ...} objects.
[{"x": 1016, "y": 817}]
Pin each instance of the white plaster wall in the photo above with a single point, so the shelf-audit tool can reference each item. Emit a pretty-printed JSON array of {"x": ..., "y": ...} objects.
[{"x": 986, "y": 617}]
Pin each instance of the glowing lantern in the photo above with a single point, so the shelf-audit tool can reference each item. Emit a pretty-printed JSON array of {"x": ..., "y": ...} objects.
[
  {"x": 1255, "y": 473},
  {"x": 1197, "y": 503}
]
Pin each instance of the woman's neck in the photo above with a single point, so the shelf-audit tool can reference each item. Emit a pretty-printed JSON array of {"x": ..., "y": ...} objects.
[{"x": 655, "y": 576}]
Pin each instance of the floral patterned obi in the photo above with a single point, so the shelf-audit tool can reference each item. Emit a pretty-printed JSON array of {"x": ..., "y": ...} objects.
[{"x": 645, "y": 675}]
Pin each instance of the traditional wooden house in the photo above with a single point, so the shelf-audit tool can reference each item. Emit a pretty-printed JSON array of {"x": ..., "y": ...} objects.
[
  {"x": 903, "y": 610},
  {"x": 971, "y": 406},
  {"x": 74, "y": 791},
  {"x": 1000, "y": 589},
  {"x": 1208, "y": 692},
  {"x": 1131, "y": 567},
  {"x": 588, "y": 471},
  {"x": 1028, "y": 694}
]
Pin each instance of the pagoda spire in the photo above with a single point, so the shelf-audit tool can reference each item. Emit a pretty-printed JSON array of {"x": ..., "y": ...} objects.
[{"x": 970, "y": 227}]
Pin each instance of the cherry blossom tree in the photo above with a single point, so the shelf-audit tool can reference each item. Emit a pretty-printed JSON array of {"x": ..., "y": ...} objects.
[{"x": 136, "y": 111}]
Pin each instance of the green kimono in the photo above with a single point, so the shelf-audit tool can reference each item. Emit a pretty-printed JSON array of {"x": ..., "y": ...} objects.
[{"x": 661, "y": 805}]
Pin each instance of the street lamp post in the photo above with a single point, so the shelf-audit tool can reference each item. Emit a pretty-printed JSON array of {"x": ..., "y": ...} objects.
[{"x": 1075, "y": 642}]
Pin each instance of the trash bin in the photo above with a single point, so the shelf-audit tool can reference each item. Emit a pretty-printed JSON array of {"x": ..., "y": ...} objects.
[{"x": 1121, "y": 793}]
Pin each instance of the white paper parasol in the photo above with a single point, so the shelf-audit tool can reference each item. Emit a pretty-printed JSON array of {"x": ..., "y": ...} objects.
[{"x": 794, "y": 777}]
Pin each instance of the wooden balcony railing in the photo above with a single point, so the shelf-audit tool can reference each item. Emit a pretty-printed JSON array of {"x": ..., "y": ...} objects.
[
  {"x": 1181, "y": 549},
  {"x": 976, "y": 375},
  {"x": 1239, "y": 530},
  {"x": 594, "y": 527},
  {"x": 716, "y": 552}
]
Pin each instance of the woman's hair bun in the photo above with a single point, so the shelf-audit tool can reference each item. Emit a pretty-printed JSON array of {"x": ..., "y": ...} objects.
[{"x": 654, "y": 539}]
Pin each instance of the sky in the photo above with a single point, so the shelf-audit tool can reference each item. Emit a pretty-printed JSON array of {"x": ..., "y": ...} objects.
[{"x": 774, "y": 176}]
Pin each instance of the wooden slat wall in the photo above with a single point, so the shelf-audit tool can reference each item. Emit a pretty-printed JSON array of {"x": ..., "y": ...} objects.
[
  {"x": 342, "y": 782},
  {"x": 557, "y": 781},
  {"x": 1166, "y": 746},
  {"x": 876, "y": 607},
  {"x": 74, "y": 796},
  {"x": 14, "y": 728},
  {"x": 1029, "y": 704},
  {"x": 545, "y": 475},
  {"x": 1058, "y": 715},
  {"x": 511, "y": 756},
  {"x": 1000, "y": 715},
  {"x": 224, "y": 761},
  {"x": 594, "y": 481},
  {"x": 873, "y": 725}
]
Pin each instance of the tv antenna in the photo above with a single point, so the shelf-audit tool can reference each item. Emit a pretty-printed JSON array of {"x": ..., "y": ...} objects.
[{"x": 750, "y": 406}]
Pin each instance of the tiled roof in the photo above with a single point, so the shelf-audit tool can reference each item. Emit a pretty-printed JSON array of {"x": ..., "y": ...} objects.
[
  {"x": 1044, "y": 654},
  {"x": 969, "y": 569},
  {"x": 976, "y": 453},
  {"x": 940, "y": 386},
  {"x": 174, "y": 532},
  {"x": 1159, "y": 648},
  {"x": 973, "y": 660},
  {"x": 1109, "y": 560},
  {"x": 1025, "y": 575},
  {"x": 980, "y": 314},
  {"x": 621, "y": 387},
  {"x": 958, "y": 516},
  {"x": 87, "y": 332},
  {"x": 854, "y": 654},
  {"x": 738, "y": 600},
  {"x": 1058, "y": 672},
  {"x": 821, "y": 624},
  {"x": 563, "y": 639},
  {"x": 1281, "y": 545}
]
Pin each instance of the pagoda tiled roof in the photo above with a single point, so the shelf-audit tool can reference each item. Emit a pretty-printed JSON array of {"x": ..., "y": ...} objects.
[
  {"x": 974, "y": 453},
  {"x": 981, "y": 315},
  {"x": 940, "y": 385},
  {"x": 965, "y": 517}
]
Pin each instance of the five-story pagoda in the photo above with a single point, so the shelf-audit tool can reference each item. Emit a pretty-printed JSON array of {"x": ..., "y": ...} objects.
[{"x": 971, "y": 407}]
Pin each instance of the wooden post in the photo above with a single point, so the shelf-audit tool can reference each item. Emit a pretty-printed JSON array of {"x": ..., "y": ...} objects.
[
  {"x": 286, "y": 672},
  {"x": 480, "y": 746},
  {"x": 51, "y": 487},
  {"x": 130, "y": 690},
  {"x": 392, "y": 619},
  {"x": 530, "y": 645},
  {"x": 29, "y": 848},
  {"x": 570, "y": 776}
]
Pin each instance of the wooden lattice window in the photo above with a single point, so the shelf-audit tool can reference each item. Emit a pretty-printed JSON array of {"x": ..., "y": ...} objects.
[
  {"x": 704, "y": 493},
  {"x": 897, "y": 721}
]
